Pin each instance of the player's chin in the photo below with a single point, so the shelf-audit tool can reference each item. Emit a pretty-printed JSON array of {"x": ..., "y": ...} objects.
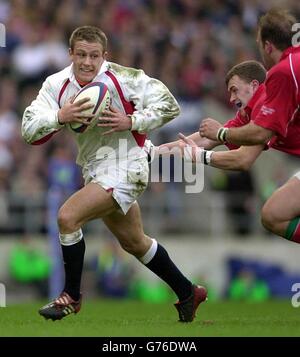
[{"x": 86, "y": 76}]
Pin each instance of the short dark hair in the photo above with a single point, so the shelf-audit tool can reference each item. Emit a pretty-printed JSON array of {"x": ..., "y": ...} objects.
[
  {"x": 248, "y": 71},
  {"x": 276, "y": 26},
  {"x": 88, "y": 34}
]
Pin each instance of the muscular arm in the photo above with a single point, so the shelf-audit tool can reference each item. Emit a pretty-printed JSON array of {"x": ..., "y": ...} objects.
[
  {"x": 249, "y": 134},
  {"x": 239, "y": 159}
]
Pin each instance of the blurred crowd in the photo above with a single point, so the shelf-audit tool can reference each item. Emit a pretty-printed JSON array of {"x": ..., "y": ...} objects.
[{"x": 188, "y": 44}]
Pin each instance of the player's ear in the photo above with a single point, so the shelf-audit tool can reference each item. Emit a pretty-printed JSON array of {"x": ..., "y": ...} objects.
[
  {"x": 70, "y": 51},
  {"x": 255, "y": 84},
  {"x": 268, "y": 46},
  {"x": 105, "y": 53}
]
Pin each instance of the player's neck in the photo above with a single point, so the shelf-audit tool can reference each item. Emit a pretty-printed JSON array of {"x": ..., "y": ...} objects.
[
  {"x": 276, "y": 56},
  {"x": 81, "y": 83}
]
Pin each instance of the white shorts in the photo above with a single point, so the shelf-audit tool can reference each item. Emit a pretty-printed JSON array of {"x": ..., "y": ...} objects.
[
  {"x": 127, "y": 180},
  {"x": 297, "y": 174}
]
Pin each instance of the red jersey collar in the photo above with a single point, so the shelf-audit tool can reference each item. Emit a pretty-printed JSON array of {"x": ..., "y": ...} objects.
[
  {"x": 289, "y": 50},
  {"x": 255, "y": 97}
]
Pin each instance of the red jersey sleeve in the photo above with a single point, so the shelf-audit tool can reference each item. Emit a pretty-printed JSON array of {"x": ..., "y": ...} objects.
[
  {"x": 240, "y": 119},
  {"x": 280, "y": 103}
]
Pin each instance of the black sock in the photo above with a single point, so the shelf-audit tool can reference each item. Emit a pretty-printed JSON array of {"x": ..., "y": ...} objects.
[
  {"x": 73, "y": 263},
  {"x": 162, "y": 266}
]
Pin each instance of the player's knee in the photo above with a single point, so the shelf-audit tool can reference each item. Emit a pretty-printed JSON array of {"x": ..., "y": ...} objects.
[{"x": 66, "y": 221}]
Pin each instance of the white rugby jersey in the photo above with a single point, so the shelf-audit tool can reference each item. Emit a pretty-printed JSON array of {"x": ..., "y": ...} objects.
[{"x": 148, "y": 100}]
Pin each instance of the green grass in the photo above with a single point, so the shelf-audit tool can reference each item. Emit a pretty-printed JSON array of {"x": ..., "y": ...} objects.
[{"x": 129, "y": 318}]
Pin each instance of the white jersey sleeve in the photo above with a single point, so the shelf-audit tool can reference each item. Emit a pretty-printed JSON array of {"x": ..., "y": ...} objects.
[
  {"x": 40, "y": 118},
  {"x": 154, "y": 104}
]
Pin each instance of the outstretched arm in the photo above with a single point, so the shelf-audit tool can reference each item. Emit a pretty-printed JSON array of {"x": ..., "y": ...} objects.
[
  {"x": 239, "y": 159},
  {"x": 195, "y": 137},
  {"x": 250, "y": 134}
]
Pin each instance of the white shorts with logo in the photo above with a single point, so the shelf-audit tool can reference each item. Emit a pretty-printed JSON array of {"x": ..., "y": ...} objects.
[{"x": 127, "y": 179}]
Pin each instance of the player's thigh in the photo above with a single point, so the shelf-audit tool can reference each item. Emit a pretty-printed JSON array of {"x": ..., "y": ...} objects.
[
  {"x": 90, "y": 202},
  {"x": 284, "y": 204},
  {"x": 128, "y": 229}
]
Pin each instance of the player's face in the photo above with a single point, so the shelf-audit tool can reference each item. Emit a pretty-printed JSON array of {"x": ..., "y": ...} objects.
[
  {"x": 87, "y": 58},
  {"x": 241, "y": 91}
]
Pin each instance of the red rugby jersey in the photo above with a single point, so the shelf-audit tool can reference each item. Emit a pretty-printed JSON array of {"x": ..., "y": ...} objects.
[{"x": 280, "y": 111}]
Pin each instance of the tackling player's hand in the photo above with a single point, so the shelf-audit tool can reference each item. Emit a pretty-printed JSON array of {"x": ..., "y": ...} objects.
[
  {"x": 72, "y": 112},
  {"x": 115, "y": 120},
  {"x": 191, "y": 149},
  {"x": 209, "y": 128},
  {"x": 167, "y": 148}
]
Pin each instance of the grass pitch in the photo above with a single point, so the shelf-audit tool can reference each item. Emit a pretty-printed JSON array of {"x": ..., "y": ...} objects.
[{"x": 130, "y": 318}]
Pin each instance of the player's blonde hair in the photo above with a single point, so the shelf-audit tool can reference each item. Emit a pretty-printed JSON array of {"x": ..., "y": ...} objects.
[{"x": 88, "y": 34}]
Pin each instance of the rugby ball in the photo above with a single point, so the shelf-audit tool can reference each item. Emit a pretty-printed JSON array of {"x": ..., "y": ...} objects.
[{"x": 99, "y": 96}]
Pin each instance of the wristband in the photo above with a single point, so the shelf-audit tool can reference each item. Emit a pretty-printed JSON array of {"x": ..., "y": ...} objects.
[
  {"x": 207, "y": 157},
  {"x": 221, "y": 134},
  {"x": 201, "y": 156}
]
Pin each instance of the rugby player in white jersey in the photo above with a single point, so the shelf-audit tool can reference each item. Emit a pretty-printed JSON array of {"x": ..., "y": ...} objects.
[{"x": 113, "y": 161}]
